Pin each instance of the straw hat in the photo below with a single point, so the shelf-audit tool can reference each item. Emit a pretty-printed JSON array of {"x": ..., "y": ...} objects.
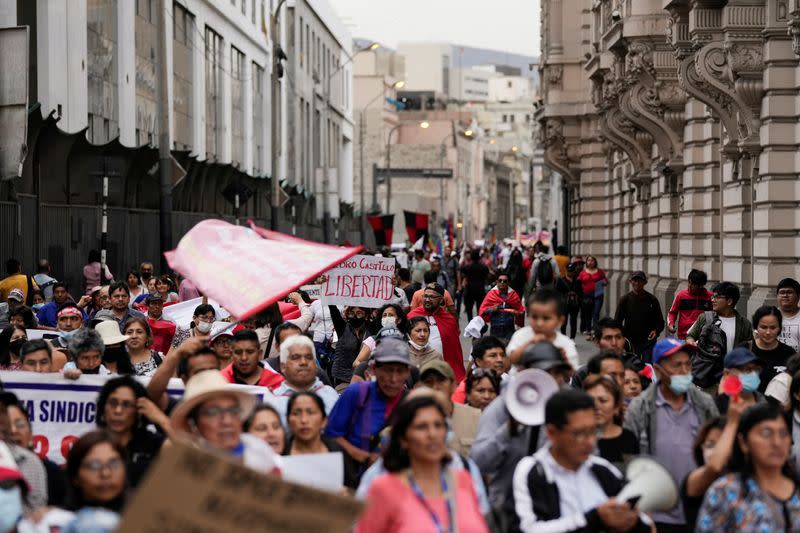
[
  {"x": 109, "y": 331},
  {"x": 204, "y": 386}
]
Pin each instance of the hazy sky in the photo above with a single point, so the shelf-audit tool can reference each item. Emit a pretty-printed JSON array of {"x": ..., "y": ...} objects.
[{"x": 506, "y": 25}]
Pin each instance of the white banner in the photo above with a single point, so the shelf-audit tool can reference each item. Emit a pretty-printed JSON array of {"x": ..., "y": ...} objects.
[
  {"x": 61, "y": 410},
  {"x": 181, "y": 313},
  {"x": 313, "y": 291},
  {"x": 362, "y": 280}
]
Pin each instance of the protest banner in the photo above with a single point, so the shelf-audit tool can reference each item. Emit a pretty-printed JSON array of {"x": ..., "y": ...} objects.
[
  {"x": 181, "y": 313},
  {"x": 61, "y": 410},
  {"x": 247, "y": 269},
  {"x": 361, "y": 280},
  {"x": 192, "y": 489}
]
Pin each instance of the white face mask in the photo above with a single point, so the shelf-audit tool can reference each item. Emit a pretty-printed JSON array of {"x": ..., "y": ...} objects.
[
  {"x": 388, "y": 322},
  {"x": 203, "y": 327},
  {"x": 418, "y": 347}
]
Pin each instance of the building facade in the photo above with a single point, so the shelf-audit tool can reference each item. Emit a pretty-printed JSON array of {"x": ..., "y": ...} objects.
[
  {"x": 319, "y": 111},
  {"x": 673, "y": 125}
]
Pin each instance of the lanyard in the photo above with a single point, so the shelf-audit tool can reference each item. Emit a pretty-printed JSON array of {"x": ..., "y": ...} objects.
[{"x": 421, "y": 497}]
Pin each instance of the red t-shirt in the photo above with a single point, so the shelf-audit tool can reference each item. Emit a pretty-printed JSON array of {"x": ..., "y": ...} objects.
[
  {"x": 588, "y": 281},
  {"x": 163, "y": 333}
]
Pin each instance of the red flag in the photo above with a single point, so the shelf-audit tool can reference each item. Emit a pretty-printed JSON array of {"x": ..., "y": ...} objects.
[
  {"x": 247, "y": 269},
  {"x": 383, "y": 227},
  {"x": 416, "y": 226}
]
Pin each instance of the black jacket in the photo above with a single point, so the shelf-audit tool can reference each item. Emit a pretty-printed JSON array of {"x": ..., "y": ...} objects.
[{"x": 639, "y": 315}]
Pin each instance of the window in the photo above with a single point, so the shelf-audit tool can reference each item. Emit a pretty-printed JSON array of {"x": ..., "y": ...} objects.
[
  {"x": 183, "y": 76},
  {"x": 213, "y": 49},
  {"x": 254, "y": 12},
  {"x": 505, "y": 118},
  {"x": 244, "y": 7},
  {"x": 258, "y": 118},
  {"x": 302, "y": 43},
  {"x": 508, "y": 84},
  {"x": 237, "y": 106},
  {"x": 511, "y": 118}
]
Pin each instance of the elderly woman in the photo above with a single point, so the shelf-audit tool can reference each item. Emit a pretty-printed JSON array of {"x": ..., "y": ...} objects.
[
  {"x": 213, "y": 413},
  {"x": 86, "y": 353}
]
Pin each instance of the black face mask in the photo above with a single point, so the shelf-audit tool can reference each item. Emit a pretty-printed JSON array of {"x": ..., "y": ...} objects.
[
  {"x": 15, "y": 346},
  {"x": 91, "y": 371},
  {"x": 113, "y": 355},
  {"x": 356, "y": 321}
]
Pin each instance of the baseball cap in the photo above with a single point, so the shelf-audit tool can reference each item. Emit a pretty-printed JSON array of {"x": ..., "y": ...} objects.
[
  {"x": 154, "y": 297},
  {"x": 440, "y": 367},
  {"x": 666, "y": 347},
  {"x": 9, "y": 471},
  {"x": 16, "y": 294},
  {"x": 739, "y": 357},
  {"x": 638, "y": 274},
  {"x": 388, "y": 332},
  {"x": 392, "y": 351},
  {"x": 544, "y": 356},
  {"x": 435, "y": 287}
]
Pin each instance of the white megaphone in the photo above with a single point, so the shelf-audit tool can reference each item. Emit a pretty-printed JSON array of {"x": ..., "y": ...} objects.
[
  {"x": 650, "y": 484},
  {"x": 527, "y": 394}
]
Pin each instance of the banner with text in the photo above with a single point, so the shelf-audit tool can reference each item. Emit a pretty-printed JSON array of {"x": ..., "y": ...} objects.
[
  {"x": 362, "y": 280},
  {"x": 61, "y": 410}
]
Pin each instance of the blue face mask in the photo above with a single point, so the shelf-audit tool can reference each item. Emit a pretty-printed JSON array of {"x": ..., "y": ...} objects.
[
  {"x": 10, "y": 508},
  {"x": 66, "y": 334},
  {"x": 750, "y": 381},
  {"x": 36, "y": 307},
  {"x": 680, "y": 383}
]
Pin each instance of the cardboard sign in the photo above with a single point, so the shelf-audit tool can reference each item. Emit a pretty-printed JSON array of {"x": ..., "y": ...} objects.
[
  {"x": 324, "y": 471},
  {"x": 313, "y": 291},
  {"x": 362, "y": 280},
  {"x": 189, "y": 489},
  {"x": 61, "y": 410}
]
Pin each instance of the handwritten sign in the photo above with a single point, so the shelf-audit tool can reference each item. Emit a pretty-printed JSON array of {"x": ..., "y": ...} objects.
[
  {"x": 313, "y": 291},
  {"x": 362, "y": 280},
  {"x": 61, "y": 410},
  {"x": 189, "y": 489}
]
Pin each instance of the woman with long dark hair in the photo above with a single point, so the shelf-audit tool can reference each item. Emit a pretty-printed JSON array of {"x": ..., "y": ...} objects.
[
  {"x": 773, "y": 354},
  {"x": 420, "y": 492},
  {"x": 123, "y": 409},
  {"x": 96, "y": 472},
  {"x": 305, "y": 415},
  {"x": 11, "y": 340},
  {"x": 516, "y": 271},
  {"x": 593, "y": 282},
  {"x": 760, "y": 493},
  {"x": 144, "y": 358},
  {"x": 265, "y": 423},
  {"x": 135, "y": 287},
  {"x": 389, "y": 315},
  {"x": 615, "y": 443}
]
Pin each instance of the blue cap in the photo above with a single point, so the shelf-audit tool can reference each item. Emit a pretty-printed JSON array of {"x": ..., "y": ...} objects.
[
  {"x": 739, "y": 357},
  {"x": 666, "y": 347}
]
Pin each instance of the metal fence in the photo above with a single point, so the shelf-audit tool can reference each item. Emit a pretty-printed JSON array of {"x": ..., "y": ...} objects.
[{"x": 64, "y": 234}]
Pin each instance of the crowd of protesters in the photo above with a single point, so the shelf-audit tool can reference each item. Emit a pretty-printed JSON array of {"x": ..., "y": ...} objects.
[{"x": 423, "y": 429}]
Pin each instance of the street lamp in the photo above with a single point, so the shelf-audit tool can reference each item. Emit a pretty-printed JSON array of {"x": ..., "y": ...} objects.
[
  {"x": 326, "y": 215},
  {"x": 424, "y": 125},
  {"x": 514, "y": 148},
  {"x": 468, "y": 133},
  {"x": 361, "y": 133}
]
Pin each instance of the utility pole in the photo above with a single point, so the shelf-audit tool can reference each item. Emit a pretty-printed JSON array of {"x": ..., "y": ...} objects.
[
  {"x": 164, "y": 155},
  {"x": 277, "y": 72}
]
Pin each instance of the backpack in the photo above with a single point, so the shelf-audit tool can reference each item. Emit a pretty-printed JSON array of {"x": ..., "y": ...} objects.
[
  {"x": 544, "y": 271},
  {"x": 707, "y": 361}
]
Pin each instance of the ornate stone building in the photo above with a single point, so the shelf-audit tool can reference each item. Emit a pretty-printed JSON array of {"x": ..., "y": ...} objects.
[{"x": 674, "y": 124}]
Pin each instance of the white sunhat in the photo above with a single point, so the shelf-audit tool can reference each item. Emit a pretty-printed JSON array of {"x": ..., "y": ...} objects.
[
  {"x": 109, "y": 331},
  {"x": 204, "y": 386}
]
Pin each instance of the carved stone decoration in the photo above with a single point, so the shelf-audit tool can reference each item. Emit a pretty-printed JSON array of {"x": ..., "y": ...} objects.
[
  {"x": 735, "y": 72},
  {"x": 794, "y": 29},
  {"x": 555, "y": 76},
  {"x": 556, "y": 153}
]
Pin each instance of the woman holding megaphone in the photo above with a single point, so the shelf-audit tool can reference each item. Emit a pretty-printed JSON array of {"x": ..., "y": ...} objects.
[{"x": 761, "y": 492}]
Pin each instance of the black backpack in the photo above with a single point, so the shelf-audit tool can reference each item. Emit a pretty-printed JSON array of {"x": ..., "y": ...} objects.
[
  {"x": 707, "y": 361},
  {"x": 544, "y": 271}
]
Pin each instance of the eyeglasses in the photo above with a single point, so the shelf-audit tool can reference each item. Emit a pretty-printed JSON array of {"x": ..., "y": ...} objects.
[
  {"x": 20, "y": 424},
  {"x": 220, "y": 412},
  {"x": 718, "y": 297},
  {"x": 98, "y": 466},
  {"x": 502, "y": 282},
  {"x": 788, "y": 293},
  {"x": 126, "y": 405},
  {"x": 583, "y": 435}
]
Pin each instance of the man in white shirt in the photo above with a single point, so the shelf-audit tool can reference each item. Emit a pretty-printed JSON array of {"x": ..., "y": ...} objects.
[
  {"x": 563, "y": 487},
  {"x": 788, "y": 296},
  {"x": 299, "y": 368}
]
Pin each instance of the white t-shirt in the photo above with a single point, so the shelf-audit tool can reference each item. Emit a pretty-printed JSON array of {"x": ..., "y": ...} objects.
[
  {"x": 435, "y": 340},
  {"x": 790, "y": 332},
  {"x": 524, "y": 336},
  {"x": 728, "y": 325},
  {"x": 322, "y": 324}
]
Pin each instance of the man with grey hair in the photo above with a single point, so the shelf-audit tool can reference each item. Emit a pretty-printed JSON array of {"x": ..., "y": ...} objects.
[
  {"x": 299, "y": 368},
  {"x": 86, "y": 354}
]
